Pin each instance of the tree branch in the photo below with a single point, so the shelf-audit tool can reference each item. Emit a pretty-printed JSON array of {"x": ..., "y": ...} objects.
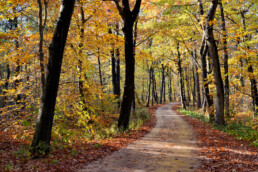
[{"x": 136, "y": 9}]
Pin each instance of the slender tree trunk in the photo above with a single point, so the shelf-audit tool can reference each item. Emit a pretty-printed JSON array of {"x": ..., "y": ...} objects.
[
  {"x": 149, "y": 87},
  {"x": 42, "y": 135},
  {"x": 82, "y": 79},
  {"x": 100, "y": 72},
  {"x": 181, "y": 82},
  {"x": 225, "y": 49},
  {"x": 188, "y": 86},
  {"x": 41, "y": 39},
  {"x": 197, "y": 83},
  {"x": 194, "y": 87},
  {"x": 170, "y": 87},
  {"x": 207, "y": 98},
  {"x": 118, "y": 74},
  {"x": 162, "y": 83},
  {"x": 213, "y": 51},
  {"x": 252, "y": 77}
]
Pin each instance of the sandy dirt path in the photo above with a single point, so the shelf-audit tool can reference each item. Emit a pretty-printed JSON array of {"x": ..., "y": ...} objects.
[{"x": 170, "y": 146}]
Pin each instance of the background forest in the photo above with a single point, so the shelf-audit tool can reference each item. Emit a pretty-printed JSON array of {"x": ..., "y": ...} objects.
[{"x": 173, "y": 62}]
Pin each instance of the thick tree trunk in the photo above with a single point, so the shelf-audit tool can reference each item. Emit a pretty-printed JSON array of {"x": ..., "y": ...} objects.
[
  {"x": 42, "y": 135},
  {"x": 129, "y": 18},
  {"x": 225, "y": 49},
  {"x": 126, "y": 105},
  {"x": 213, "y": 51}
]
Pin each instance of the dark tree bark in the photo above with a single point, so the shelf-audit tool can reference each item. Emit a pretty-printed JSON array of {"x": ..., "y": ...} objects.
[
  {"x": 194, "y": 87},
  {"x": 42, "y": 135},
  {"x": 225, "y": 49},
  {"x": 162, "y": 83},
  {"x": 118, "y": 90},
  {"x": 169, "y": 85},
  {"x": 115, "y": 67},
  {"x": 149, "y": 87},
  {"x": 181, "y": 78},
  {"x": 82, "y": 77},
  {"x": 164, "y": 87},
  {"x": 197, "y": 83},
  {"x": 213, "y": 51},
  {"x": 129, "y": 17},
  {"x": 118, "y": 74},
  {"x": 188, "y": 86},
  {"x": 203, "y": 52},
  {"x": 208, "y": 99},
  {"x": 41, "y": 39},
  {"x": 100, "y": 72}
]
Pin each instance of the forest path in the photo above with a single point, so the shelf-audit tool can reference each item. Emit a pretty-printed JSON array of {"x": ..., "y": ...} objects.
[{"x": 170, "y": 146}]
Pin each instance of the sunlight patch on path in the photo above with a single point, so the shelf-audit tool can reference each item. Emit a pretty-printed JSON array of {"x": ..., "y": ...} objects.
[{"x": 170, "y": 146}]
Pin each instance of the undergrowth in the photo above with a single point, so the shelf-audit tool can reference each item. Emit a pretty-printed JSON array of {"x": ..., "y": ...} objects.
[{"x": 241, "y": 130}]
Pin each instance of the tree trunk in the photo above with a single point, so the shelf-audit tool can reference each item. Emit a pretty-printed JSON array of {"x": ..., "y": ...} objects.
[
  {"x": 170, "y": 87},
  {"x": 181, "y": 82},
  {"x": 100, "y": 72},
  {"x": 194, "y": 87},
  {"x": 42, "y": 136},
  {"x": 149, "y": 87},
  {"x": 252, "y": 78},
  {"x": 213, "y": 51},
  {"x": 129, "y": 17},
  {"x": 162, "y": 83},
  {"x": 207, "y": 98},
  {"x": 225, "y": 50},
  {"x": 118, "y": 76},
  {"x": 207, "y": 101},
  {"x": 197, "y": 82},
  {"x": 82, "y": 77},
  {"x": 41, "y": 39}
]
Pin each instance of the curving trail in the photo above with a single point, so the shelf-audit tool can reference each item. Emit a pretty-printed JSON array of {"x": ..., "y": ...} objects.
[{"x": 170, "y": 146}]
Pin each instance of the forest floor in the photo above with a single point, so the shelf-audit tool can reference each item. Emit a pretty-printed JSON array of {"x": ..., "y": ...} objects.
[
  {"x": 170, "y": 146},
  {"x": 14, "y": 154},
  {"x": 219, "y": 151},
  {"x": 176, "y": 143}
]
